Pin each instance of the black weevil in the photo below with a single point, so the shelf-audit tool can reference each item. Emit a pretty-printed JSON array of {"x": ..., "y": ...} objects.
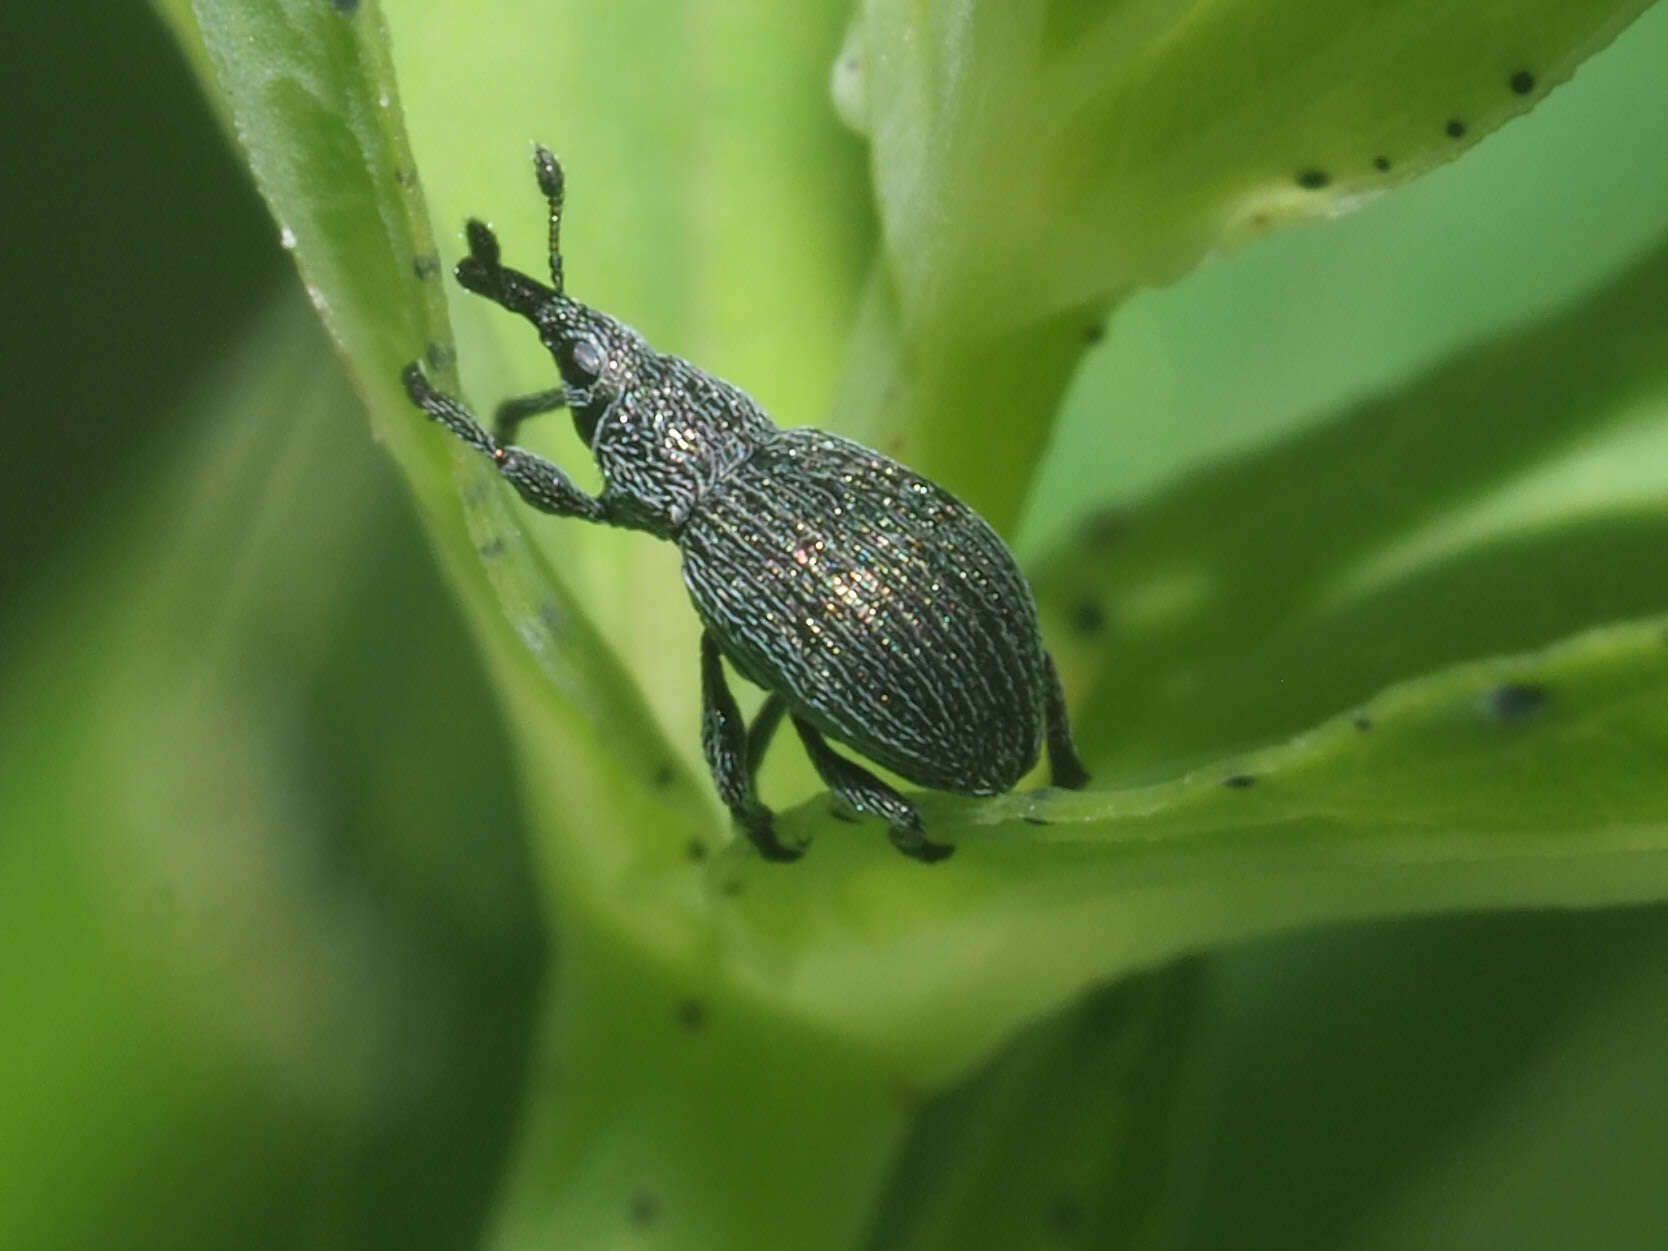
[{"x": 872, "y": 606}]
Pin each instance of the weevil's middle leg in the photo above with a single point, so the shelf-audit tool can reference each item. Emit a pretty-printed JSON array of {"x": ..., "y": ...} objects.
[
  {"x": 724, "y": 741},
  {"x": 867, "y": 793},
  {"x": 512, "y": 412},
  {"x": 763, "y": 730}
]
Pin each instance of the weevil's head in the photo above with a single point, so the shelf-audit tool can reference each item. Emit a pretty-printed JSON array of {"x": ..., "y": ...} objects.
[
  {"x": 600, "y": 359},
  {"x": 660, "y": 430}
]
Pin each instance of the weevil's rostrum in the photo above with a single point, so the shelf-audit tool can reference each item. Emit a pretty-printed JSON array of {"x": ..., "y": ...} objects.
[{"x": 872, "y": 606}]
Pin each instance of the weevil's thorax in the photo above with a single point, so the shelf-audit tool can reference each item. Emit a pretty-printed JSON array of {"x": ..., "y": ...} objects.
[{"x": 662, "y": 431}]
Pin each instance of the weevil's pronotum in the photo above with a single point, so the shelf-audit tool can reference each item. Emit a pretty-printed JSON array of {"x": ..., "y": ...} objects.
[{"x": 871, "y": 605}]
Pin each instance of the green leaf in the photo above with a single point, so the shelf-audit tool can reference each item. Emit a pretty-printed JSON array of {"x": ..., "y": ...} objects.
[
  {"x": 1420, "y": 529},
  {"x": 1085, "y": 1131},
  {"x": 1092, "y": 147},
  {"x": 1035, "y": 164},
  {"x": 1519, "y": 781},
  {"x": 1447, "y": 1083}
]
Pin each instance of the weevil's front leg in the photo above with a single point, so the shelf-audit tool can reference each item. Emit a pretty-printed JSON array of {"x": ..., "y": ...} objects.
[
  {"x": 724, "y": 741},
  {"x": 539, "y": 482},
  {"x": 1064, "y": 767},
  {"x": 867, "y": 793}
]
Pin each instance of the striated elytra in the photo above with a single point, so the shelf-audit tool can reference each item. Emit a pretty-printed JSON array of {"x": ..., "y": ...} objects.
[{"x": 872, "y": 605}]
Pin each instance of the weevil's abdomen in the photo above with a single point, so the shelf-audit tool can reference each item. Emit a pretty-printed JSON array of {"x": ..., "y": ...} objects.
[{"x": 885, "y": 610}]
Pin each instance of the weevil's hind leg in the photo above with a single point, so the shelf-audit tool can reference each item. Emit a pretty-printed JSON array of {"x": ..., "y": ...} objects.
[
  {"x": 867, "y": 793},
  {"x": 512, "y": 412},
  {"x": 1064, "y": 767},
  {"x": 539, "y": 482},
  {"x": 760, "y": 733},
  {"x": 724, "y": 740}
]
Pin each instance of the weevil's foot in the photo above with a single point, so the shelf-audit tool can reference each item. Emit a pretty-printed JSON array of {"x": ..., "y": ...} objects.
[
  {"x": 843, "y": 810},
  {"x": 417, "y": 387},
  {"x": 918, "y": 846},
  {"x": 1068, "y": 774},
  {"x": 762, "y": 834}
]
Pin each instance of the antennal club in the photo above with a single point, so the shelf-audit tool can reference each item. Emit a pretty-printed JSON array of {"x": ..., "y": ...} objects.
[{"x": 549, "y": 172}]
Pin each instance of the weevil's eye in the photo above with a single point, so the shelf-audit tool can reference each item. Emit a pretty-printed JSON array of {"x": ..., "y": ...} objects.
[{"x": 586, "y": 360}]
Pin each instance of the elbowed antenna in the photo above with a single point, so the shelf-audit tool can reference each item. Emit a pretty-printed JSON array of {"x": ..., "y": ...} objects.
[{"x": 549, "y": 173}]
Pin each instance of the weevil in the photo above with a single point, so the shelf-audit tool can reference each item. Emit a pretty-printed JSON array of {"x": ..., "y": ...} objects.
[{"x": 872, "y": 606}]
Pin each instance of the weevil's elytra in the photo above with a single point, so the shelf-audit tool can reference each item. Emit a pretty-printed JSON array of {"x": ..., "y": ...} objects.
[{"x": 874, "y": 607}]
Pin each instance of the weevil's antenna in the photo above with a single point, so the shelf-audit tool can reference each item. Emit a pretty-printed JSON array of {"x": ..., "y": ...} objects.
[{"x": 549, "y": 172}]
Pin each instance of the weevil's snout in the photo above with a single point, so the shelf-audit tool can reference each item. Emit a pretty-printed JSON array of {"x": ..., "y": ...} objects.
[{"x": 483, "y": 273}]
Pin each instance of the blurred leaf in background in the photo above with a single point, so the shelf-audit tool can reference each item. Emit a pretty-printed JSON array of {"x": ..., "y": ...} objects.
[{"x": 1363, "y": 520}]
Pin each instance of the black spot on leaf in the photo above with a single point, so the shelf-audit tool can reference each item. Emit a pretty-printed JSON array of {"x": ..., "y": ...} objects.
[
  {"x": 1455, "y": 128},
  {"x": 1381, "y": 164},
  {"x": 1522, "y": 82},
  {"x": 692, "y": 1014},
  {"x": 1065, "y": 1216},
  {"x": 1104, "y": 528},
  {"x": 1313, "y": 179},
  {"x": 645, "y": 1208},
  {"x": 1514, "y": 701},
  {"x": 1088, "y": 617},
  {"x": 1239, "y": 781}
]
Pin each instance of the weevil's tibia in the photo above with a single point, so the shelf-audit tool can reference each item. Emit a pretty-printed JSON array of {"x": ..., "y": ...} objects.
[
  {"x": 762, "y": 730},
  {"x": 867, "y": 793},
  {"x": 535, "y": 479},
  {"x": 724, "y": 742}
]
